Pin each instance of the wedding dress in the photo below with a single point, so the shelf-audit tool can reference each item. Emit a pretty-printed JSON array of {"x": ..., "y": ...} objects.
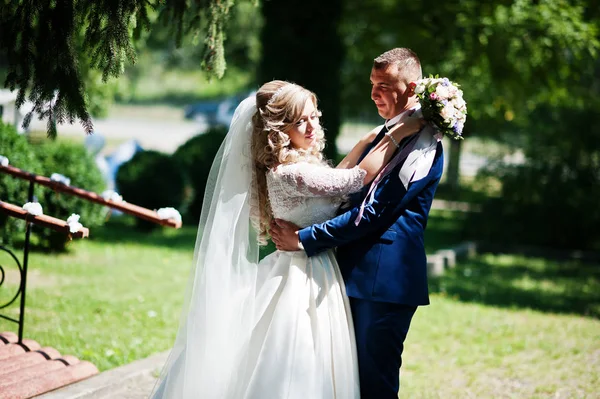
[
  {"x": 279, "y": 328},
  {"x": 303, "y": 345}
]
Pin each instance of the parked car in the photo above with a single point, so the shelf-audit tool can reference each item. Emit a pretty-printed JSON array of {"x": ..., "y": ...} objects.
[
  {"x": 216, "y": 113},
  {"x": 204, "y": 111}
]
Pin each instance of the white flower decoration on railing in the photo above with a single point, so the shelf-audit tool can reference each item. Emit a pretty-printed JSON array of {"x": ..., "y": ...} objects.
[
  {"x": 169, "y": 213},
  {"x": 33, "y": 208},
  {"x": 3, "y": 161},
  {"x": 73, "y": 222},
  {"x": 57, "y": 177},
  {"x": 111, "y": 195}
]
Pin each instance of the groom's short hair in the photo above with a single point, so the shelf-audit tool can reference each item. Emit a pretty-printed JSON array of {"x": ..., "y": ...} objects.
[{"x": 404, "y": 59}]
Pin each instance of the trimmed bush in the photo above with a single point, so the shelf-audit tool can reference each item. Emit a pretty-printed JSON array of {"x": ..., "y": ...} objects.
[
  {"x": 73, "y": 161},
  {"x": 21, "y": 155},
  {"x": 152, "y": 180},
  {"x": 196, "y": 157}
]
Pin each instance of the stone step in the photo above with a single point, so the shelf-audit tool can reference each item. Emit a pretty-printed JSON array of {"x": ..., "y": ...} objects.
[
  {"x": 132, "y": 381},
  {"x": 15, "y": 349},
  {"x": 27, "y": 370},
  {"x": 26, "y": 359},
  {"x": 49, "y": 379},
  {"x": 8, "y": 337}
]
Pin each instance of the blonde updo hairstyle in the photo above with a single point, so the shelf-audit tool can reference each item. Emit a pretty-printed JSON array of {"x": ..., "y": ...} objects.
[{"x": 279, "y": 107}]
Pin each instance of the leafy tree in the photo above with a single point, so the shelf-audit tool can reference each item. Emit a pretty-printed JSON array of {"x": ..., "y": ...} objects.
[
  {"x": 304, "y": 46},
  {"x": 510, "y": 56},
  {"x": 48, "y": 46},
  {"x": 550, "y": 198}
]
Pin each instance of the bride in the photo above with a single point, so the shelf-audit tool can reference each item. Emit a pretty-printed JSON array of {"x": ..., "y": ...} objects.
[{"x": 280, "y": 327}]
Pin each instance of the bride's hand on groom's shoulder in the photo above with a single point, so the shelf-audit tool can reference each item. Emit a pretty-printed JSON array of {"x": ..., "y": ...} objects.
[{"x": 409, "y": 126}]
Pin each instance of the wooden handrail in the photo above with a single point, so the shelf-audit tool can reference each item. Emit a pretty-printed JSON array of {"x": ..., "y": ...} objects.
[
  {"x": 42, "y": 220},
  {"x": 125, "y": 207}
]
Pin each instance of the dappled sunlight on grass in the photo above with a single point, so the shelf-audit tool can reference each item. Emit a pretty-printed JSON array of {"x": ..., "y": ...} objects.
[
  {"x": 518, "y": 281},
  {"x": 444, "y": 230},
  {"x": 461, "y": 350}
]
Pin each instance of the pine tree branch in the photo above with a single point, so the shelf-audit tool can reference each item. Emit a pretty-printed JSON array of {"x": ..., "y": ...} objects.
[{"x": 42, "y": 43}]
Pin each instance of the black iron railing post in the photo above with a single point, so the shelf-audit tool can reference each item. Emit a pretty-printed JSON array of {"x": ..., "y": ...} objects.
[{"x": 24, "y": 271}]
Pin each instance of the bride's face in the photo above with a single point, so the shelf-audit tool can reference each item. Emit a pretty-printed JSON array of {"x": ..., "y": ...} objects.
[{"x": 303, "y": 134}]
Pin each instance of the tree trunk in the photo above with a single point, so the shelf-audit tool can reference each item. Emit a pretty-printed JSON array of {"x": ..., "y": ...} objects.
[
  {"x": 301, "y": 44},
  {"x": 453, "y": 168}
]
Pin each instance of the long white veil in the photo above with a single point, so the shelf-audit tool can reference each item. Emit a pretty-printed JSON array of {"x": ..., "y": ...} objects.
[{"x": 217, "y": 314}]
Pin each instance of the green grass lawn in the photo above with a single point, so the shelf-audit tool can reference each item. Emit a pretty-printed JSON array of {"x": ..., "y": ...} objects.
[
  {"x": 472, "y": 350},
  {"x": 502, "y": 326},
  {"x": 498, "y": 326},
  {"x": 114, "y": 298}
]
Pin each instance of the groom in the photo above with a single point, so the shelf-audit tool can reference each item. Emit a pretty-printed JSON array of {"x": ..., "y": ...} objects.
[{"x": 382, "y": 258}]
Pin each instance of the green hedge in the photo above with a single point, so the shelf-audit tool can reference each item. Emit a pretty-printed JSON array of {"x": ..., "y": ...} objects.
[
  {"x": 152, "y": 180},
  {"x": 68, "y": 159},
  {"x": 195, "y": 157},
  {"x": 20, "y": 154},
  {"x": 73, "y": 161}
]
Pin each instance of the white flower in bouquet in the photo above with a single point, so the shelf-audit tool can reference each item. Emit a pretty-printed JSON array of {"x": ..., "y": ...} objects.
[
  {"x": 455, "y": 103},
  {"x": 3, "y": 161},
  {"x": 169, "y": 213},
  {"x": 73, "y": 222},
  {"x": 442, "y": 105},
  {"x": 453, "y": 91},
  {"x": 111, "y": 195},
  {"x": 447, "y": 113},
  {"x": 57, "y": 177},
  {"x": 34, "y": 208},
  {"x": 442, "y": 91}
]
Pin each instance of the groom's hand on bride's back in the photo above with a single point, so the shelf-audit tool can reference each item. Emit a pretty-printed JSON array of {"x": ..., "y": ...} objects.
[{"x": 285, "y": 235}]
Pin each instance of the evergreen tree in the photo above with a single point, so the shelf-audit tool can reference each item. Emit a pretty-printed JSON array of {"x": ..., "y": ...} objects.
[{"x": 41, "y": 42}]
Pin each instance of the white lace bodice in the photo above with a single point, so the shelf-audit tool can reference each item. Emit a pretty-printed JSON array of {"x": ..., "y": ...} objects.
[{"x": 305, "y": 193}]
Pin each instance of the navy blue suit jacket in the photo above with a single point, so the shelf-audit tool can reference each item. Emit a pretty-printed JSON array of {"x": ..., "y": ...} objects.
[{"x": 383, "y": 258}]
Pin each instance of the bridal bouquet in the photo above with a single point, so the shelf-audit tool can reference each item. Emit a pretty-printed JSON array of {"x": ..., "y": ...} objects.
[{"x": 442, "y": 104}]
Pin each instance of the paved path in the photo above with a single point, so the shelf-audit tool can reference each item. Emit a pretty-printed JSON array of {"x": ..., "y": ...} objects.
[
  {"x": 164, "y": 129},
  {"x": 152, "y": 134}
]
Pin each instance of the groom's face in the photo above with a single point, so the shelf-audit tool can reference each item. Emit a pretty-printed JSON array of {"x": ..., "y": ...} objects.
[{"x": 389, "y": 91}]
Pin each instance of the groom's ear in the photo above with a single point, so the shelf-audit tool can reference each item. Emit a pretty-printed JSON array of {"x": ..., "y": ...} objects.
[{"x": 411, "y": 88}]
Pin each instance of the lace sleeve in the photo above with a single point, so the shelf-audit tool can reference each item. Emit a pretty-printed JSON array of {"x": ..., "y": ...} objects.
[{"x": 313, "y": 180}]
